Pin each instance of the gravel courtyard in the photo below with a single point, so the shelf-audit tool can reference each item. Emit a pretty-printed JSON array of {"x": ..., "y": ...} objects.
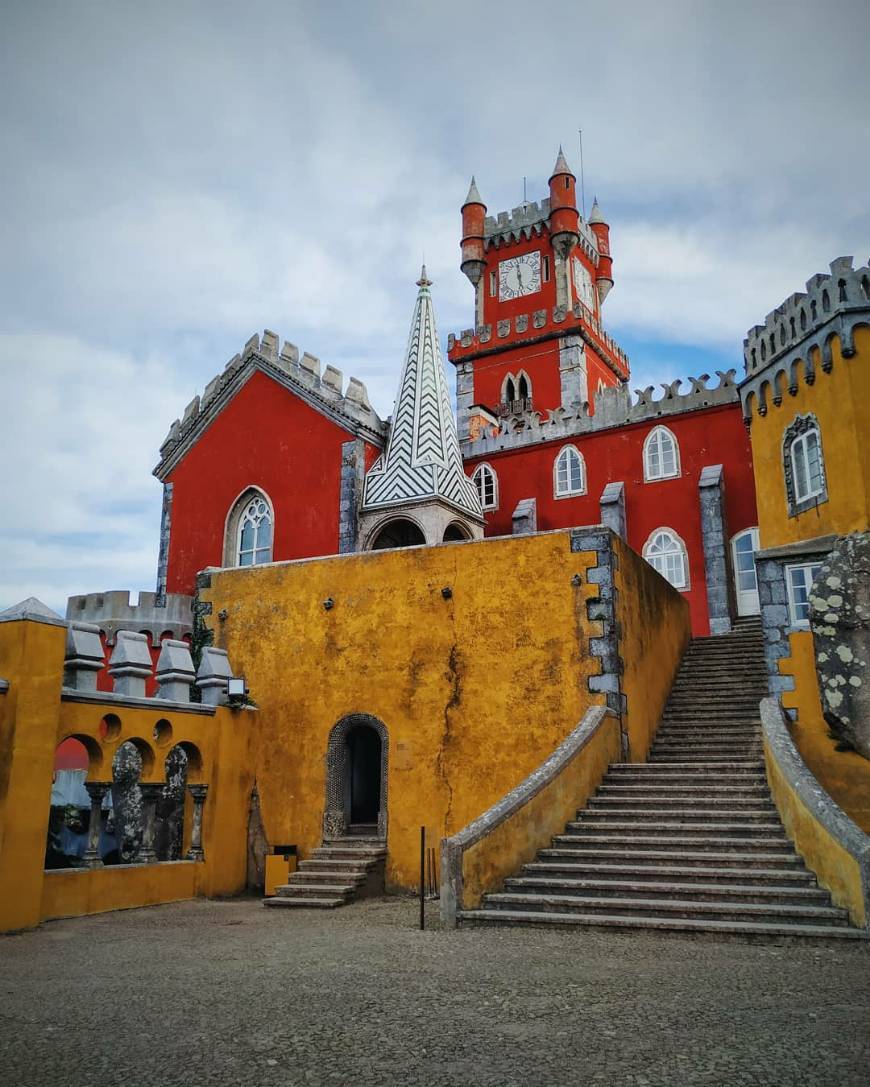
[{"x": 230, "y": 993}]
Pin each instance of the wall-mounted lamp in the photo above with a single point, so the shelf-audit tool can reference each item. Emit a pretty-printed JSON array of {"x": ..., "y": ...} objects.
[{"x": 237, "y": 689}]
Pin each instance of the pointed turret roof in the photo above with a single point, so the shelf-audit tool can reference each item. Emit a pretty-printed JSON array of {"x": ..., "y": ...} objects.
[
  {"x": 595, "y": 215},
  {"x": 422, "y": 461},
  {"x": 32, "y": 609},
  {"x": 473, "y": 195},
  {"x": 561, "y": 166}
]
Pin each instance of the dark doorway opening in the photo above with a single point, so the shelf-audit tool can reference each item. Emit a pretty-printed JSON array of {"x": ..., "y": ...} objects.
[
  {"x": 398, "y": 533},
  {"x": 364, "y": 763}
]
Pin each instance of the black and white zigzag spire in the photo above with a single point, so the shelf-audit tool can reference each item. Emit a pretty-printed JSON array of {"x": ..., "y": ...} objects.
[{"x": 422, "y": 460}]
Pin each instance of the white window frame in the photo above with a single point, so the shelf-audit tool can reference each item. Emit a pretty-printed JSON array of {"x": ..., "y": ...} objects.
[
  {"x": 568, "y": 492},
  {"x": 799, "y": 446},
  {"x": 481, "y": 490},
  {"x": 793, "y": 605},
  {"x": 234, "y": 524},
  {"x": 648, "y": 475},
  {"x": 684, "y": 551}
]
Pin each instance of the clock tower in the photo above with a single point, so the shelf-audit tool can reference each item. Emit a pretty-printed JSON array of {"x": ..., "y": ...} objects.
[{"x": 540, "y": 275}]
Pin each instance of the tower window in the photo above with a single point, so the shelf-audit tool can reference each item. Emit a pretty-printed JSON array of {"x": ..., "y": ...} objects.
[
  {"x": 510, "y": 390},
  {"x": 546, "y": 270},
  {"x": 486, "y": 481},
  {"x": 569, "y": 473},
  {"x": 666, "y": 552},
  {"x": 523, "y": 387},
  {"x": 492, "y": 284},
  {"x": 249, "y": 532},
  {"x": 661, "y": 455},
  {"x": 803, "y": 466}
]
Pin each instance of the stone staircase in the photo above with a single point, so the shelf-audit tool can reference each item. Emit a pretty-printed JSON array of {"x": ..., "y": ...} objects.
[
  {"x": 339, "y": 871},
  {"x": 688, "y": 841}
]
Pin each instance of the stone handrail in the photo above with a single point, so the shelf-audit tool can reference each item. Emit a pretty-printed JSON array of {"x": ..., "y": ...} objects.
[
  {"x": 834, "y": 847},
  {"x": 510, "y": 833}
]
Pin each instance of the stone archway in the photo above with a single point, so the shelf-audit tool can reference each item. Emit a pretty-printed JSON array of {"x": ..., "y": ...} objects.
[{"x": 354, "y": 738}]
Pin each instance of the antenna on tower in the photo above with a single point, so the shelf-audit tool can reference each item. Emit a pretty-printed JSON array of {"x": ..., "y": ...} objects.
[
  {"x": 582, "y": 186},
  {"x": 525, "y": 201}
]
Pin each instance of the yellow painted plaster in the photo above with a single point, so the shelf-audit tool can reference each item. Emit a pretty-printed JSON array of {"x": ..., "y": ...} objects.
[
  {"x": 74, "y": 892},
  {"x": 840, "y": 400},
  {"x": 845, "y": 775},
  {"x": 835, "y": 868},
  {"x": 654, "y": 627}
]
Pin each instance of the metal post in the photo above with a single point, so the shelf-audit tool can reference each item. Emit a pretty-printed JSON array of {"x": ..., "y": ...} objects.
[{"x": 422, "y": 878}]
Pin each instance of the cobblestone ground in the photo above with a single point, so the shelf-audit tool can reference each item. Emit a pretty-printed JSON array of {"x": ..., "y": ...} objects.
[{"x": 230, "y": 993}]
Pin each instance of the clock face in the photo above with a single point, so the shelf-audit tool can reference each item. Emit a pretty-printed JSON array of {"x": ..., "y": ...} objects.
[
  {"x": 583, "y": 288},
  {"x": 519, "y": 276}
]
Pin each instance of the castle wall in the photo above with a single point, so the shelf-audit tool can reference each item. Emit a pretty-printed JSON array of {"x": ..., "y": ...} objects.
[
  {"x": 479, "y": 659},
  {"x": 706, "y": 436},
  {"x": 269, "y": 438}
]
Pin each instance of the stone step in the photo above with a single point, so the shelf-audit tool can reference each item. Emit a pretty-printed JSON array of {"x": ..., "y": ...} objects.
[
  {"x": 683, "y": 790},
  {"x": 685, "y": 812},
  {"x": 668, "y": 907},
  {"x": 304, "y": 903},
  {"x": 769, "y": 929},
  {"x": 712, "y": 760},
  {"x": 685, "y": 873},
  {"x": 366, "y": 856},
  {"x": 704, "y": 804},
  {"x": 347, "y": 878},
  {"x": 632, "y": 839},
  {"x": 736, "y": 766},
  {"x": 680, "y": 730},
  {"x": 315, "y": 890},
  {"x": 683, "y": 857},
  {"x": 642, "y": 823},
  {"x": 335, "y": 864},
  {"x": 692, "y": 745},
  {"x": 684, "y": 890}
]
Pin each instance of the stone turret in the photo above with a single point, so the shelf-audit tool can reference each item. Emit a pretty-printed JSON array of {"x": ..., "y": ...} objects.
[{"x": 419, "y": 481}]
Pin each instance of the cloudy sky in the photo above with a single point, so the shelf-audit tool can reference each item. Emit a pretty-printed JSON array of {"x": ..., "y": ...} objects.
[{"x": 176, "y": 176}]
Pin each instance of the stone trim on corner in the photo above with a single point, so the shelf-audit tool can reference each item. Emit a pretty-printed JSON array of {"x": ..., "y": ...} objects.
[{"x": 163, "y": 554}]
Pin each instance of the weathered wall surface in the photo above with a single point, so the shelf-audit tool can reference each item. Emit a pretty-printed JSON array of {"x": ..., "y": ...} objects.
[
  {"x": 474, "y": 656},
  {"x": 474, "y": 689},
  {"x": 840, "y": 400},
  {"x": 654, "y": 629},
  {"x": 845, "y": 775},
  {"x": 74, "y": 892}
]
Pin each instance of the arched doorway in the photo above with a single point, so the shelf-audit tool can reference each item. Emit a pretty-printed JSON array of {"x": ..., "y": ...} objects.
[
  {"x": 356, "y": 778},
  {"x": 398, "y": 533},
  {"x": 743, "y": 548}
]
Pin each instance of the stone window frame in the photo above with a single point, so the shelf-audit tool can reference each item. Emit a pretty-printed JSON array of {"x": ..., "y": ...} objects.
[
  {"x": 654, "y": 434},
  {"x": 336, "y": 808},
  {"x": 484, "y": 466},
  {"x": 796, "y": 623},
  {"x": 232, "y": 526},
  {"x": 687, "y": 585},
  {"x": 565, "y": 453},
  {"x": 796, "y": 432}
]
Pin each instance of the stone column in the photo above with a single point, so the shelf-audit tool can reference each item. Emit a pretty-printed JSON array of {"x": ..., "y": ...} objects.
[
  {"x": 525, "y": 517},
  {"x": 464, "y": 397},
  {"x": 212, "y": 675},
  {"x": 84, "y": 656},
  {"x": 712, "y": 493},
  {"x": 572, "y": 373},
  {"x": 96, "y": 791},
  {"x": 151, "y": 793},
  {"x": 130, "y": 664},
  {"x": 612, "y": 507},
  {"x": 198, "y": 792}
]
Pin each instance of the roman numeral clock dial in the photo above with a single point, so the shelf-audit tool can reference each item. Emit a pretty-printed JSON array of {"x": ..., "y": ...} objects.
[{"x": 519, "y": 276}]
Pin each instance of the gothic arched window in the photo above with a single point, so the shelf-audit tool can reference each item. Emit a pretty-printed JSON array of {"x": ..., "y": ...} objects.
[
  {"x": 666, "y": 552},
  {"x": 803, "y": 466},
  {"x": 249, "y": 530},
  {"x": 661, "y": 455},
  {"x": 486, "y": 481},
  {"x": 569, "y": 473}
]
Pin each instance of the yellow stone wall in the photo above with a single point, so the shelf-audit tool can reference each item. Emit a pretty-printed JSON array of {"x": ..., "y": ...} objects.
[
  {"x": 840, "y": 400},
  {"x": 34, "y": 719},
  {"x": 475, "y": 690}
]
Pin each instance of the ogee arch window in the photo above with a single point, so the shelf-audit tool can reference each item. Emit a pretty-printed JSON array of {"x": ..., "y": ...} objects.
[
  {"x": 661, "y": 455},
  {"x": 251, "y": 529},
  {"x": 666, "y": 552},
  {"x": 569, "y": 473},
  {"x": 486, "y": 481}
]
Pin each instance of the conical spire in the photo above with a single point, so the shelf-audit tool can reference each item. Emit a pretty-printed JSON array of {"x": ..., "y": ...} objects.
[
  {"x": 595, "y": 215},
  {"x": 561, "y": 166},
  {"x": 422, "y": 461},
  {"x": 473, "y": 195}
]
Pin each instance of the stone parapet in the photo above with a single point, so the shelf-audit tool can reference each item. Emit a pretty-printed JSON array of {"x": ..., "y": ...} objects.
[
  {"x": 301, "y": 374},
  {"x": 528, "y": 220},
  {"x": 539, "y": 324},
  {"x": 613, "y": 407},
  {"x": 112, "y": 612}
]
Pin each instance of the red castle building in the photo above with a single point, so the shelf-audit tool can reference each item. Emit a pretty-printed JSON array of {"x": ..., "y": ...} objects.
[{"x": 281, "y": 459}]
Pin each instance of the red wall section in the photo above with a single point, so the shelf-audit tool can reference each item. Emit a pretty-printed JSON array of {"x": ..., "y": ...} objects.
[
  {"x": 712, "y": 436},
  {"x": 268, "y": 438},
  {"x": 540, "y": 361}
]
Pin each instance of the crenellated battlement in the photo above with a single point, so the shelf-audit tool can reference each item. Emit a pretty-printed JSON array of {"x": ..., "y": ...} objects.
[
  {"x": 827, "y": 297},
  {"x": 527, "y": 220},
  {"x": 112, "y": 611},
  {"x": 540, "y": 322},
  {"x": 613, "y": 407},
  {"x": 322, "y": 386}
]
